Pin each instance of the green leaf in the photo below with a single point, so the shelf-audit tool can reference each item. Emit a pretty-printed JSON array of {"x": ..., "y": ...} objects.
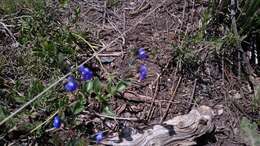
[
  {"x": 88, "y": 87},
  {"x": 3, "y": 113},
  {"x": 96, "y": 86},
  {"x": 64, "y": 3},
  {"x": 249, "y": 132},
  {"x": 79, "y": 106},
  {"x": 77, "y": 12},
  {"x": 108, "y": 111},
  {"x": 121, "y": 86},
  {"x": 112, "y": 91},
  {"x": 102, "y": 98},
  {"x": 36, "y": 87},
  {"x": 110, "y": 85},
  {"x": 20, "y": 99}
]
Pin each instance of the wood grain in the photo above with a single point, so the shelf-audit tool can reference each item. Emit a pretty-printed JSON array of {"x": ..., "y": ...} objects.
[{"x": 181, "y": 130}]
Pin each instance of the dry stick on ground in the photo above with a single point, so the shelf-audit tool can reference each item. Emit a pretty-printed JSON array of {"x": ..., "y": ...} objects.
[
  {"x": 230, "y": 79},
  {"x": 141, "y": 98},
  {"x": 172, "y": 97},
  {"x": 183, "y": 15},
  {"x": 117, "y": 118},
  {"x": 93, "y": 56},
  {"x": 144, "y": 6},
  {"x": 123, "y": 36},
  {"x": 10, "y": 34},
  {"x": 93, "y": 49},
  {"x": 116, "y": 29},
  {"x": 157, "y": 80},
  {"x": 111, "y": 117},
  {"x": 112, "y": 54},
  {"x": 192, "y": 95}
]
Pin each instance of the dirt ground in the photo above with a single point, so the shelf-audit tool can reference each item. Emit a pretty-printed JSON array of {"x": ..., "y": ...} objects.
[
  {"x": 205, "y": 83},
  {"x": 158, "y": 34}
]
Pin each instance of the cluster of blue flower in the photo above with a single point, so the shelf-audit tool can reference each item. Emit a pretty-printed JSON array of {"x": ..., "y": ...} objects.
[
  {"x": 143, "y": 71},
  {"x": 86, "y": 74},
  {"x": 72, "y": 85}
]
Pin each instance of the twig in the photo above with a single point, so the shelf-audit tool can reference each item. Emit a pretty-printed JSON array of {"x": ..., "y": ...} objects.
[
  {"x": 144, "y": 6},
  {"x": 16, "y": 44},
  {"x": 117, "y": 118},
  {"x": 183, "y": 15},
  {"x": 154, "y": 96},
  {"x": 114, "y": 54},
  {"x": 93, "y": 55},
  {"x": 46, "y": 121},
  {"x": 173, "y": 95},
  {"x": 93, "y": 49},
  {"x": 116, "y": 29},
  {"x": 192, "y": 95},
  {"x": 132, "y": 96},
  {"x": 142, "y": 98},
  {"x": 123, "y": 36}
]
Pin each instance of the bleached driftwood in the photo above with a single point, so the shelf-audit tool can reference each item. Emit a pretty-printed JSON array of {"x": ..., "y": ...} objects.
[{"x": 181, "y": 130}]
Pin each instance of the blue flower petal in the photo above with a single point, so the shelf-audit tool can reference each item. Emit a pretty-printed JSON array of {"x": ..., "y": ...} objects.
[
  {"x": 70, "y": 78},
  {"x": 86, "y": 73},
  {"x": 71, "y": 85},
  {"x": 99, "y": 137},
  {"x": 143, "y": 71},
  {"x": 142, "y": 54},
  {"x": 56, "y": 122},
  {"x": 81, "y": 68}
]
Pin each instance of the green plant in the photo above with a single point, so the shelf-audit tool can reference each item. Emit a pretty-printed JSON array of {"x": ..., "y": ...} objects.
[
  {"x": 256, "y": 98},
  {"x": 249, "y": 132},
  {"x": 11, "y": 6},
  {"x": 48, "y": 38},
  {"x": 47, "y": 44},
  {"x": 248, "y": 19},
  {"x": 64, "y": 3},
  {"x": 247, "y": 16},
  {"x": 104, "y": 91}
]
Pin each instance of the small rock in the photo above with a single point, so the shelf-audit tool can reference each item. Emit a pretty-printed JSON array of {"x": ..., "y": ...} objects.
[
  {"x": 237, "y": 96},
  {"x": 236, "y": 131},
  {"x": 220, "y": 111}
]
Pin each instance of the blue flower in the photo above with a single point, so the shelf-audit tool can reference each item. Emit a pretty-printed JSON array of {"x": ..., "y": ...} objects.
[
  {"x": 142, "y": 54},
  {"x": 70, "y": 78},
  {"x": 86, "y": 73},
  {"x": 81, "y": 68},
  {"x": 56, "y": 122},
  {"x": 71, "y": 85},
  {"x": 99, "y": 137},
  {"x": 143, "y": 71}
]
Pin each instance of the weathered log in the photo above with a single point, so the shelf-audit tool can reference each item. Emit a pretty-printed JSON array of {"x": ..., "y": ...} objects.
[{"x": 181, "y": 130}]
